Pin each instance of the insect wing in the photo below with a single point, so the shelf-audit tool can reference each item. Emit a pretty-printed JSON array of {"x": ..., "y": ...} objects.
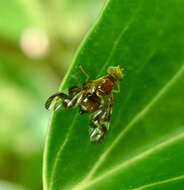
[
  {"x": 60, "y": 99},
  {"x": 55, "y": 101},
  {"x": 100, "y": 120}
]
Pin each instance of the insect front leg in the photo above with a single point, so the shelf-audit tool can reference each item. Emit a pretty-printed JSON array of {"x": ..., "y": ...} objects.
[
  {"x": 83, "y": 71},
  {"x": 118, "y": 90}
]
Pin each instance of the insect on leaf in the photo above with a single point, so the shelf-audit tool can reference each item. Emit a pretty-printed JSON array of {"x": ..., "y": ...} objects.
[{"x": 144, "y": 145}]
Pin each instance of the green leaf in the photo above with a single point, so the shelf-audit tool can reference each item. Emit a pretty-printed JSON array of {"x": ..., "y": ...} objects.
[{"x": 144, "y": 146}]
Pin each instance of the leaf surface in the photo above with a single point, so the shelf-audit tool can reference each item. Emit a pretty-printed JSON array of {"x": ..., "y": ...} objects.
[{"x": 144, "y": 146}]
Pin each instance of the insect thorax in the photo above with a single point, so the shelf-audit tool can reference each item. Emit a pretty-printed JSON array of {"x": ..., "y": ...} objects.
[{"x": 106, "y": 85}]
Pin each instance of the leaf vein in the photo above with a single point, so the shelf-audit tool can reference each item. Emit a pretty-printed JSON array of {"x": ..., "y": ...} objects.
[
  {"x": 160, "y": 182},
  {"x": 125, "y": 164}
]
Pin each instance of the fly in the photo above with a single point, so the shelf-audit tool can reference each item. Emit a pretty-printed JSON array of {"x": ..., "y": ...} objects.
[{"x": 94, "y": 97}]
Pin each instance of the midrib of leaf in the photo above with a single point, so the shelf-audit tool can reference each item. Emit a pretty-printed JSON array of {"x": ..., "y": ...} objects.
[
  {"x": 86, "y": 181},
  {"x": 130, "y": 161},
  {"x": 177, "y": 178}
]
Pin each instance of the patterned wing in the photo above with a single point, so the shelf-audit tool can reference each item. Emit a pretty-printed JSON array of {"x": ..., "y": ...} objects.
[
  {"x": 100, "y": 120},
  {"x": 60, "y": 99}
]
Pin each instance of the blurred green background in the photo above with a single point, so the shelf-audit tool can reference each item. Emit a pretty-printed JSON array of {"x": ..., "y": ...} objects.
[{"x": 38, "y": 39}]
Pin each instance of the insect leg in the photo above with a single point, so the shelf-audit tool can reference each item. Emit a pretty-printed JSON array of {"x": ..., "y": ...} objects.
[
  {"x": 83, "y": 71},
  {"x": 118, "y": 90}
]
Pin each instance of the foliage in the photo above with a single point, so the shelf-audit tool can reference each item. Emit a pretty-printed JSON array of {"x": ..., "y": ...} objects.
[{"x": 144, "y": 146}]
